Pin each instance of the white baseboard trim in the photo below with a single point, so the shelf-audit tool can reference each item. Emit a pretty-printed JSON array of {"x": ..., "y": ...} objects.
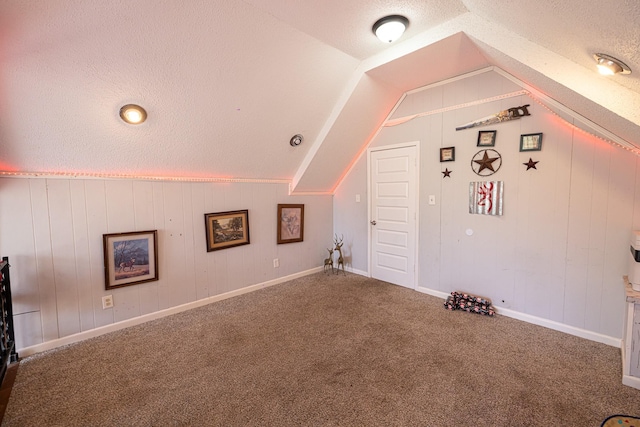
[
  {"x": 432, "y": 292},
  {"x": 631, "y": 381},
  {"x": 81, "y": 336},
  {"x": 557, "y": 326},
  {"x": 359, "y": 272}
]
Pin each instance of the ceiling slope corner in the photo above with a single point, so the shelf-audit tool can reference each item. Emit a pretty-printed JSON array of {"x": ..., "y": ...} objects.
[{"x": 533, "y": 63}]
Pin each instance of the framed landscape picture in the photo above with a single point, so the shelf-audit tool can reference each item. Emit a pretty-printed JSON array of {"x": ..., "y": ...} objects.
[
  {"x": 226, "y": 229},
  {"x": 290, "y": 223},
  {"x": 130, "y": 258}
]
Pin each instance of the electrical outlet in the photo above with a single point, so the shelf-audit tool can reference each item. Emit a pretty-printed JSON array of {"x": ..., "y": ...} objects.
[
  {"x": 276, "y": 263},
  {"x": 432, "y": 199},
  {"x": 107, "y": 302}
]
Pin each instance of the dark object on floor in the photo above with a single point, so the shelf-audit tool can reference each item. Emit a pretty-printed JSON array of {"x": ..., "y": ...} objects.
[
  {"x": 621, "y": 420},
  {"x": 470, "y": 303}
]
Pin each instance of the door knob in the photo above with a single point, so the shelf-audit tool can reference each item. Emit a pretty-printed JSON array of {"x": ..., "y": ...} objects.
[{"x": 373, "y": 222}]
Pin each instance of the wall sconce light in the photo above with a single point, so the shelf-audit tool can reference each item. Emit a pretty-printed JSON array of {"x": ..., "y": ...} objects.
[
  {"x": 133, "y": 114},
  {"x": 390, "y": 28},
  {"x": 608, "y": 65}
]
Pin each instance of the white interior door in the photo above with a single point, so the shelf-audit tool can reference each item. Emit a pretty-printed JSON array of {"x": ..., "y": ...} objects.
[{"x": 393, "y": 175}]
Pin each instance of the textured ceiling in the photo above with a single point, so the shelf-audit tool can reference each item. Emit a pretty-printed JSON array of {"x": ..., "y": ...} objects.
[{"x": 227, "y": 83}]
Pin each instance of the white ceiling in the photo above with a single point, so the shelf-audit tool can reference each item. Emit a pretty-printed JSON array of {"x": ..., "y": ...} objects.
[{"x": 227, "y": 83}]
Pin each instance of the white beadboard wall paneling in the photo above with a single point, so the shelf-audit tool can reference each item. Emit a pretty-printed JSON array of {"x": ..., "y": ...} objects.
[
  {"x": 263, "y": 231},
  {"x": 188, "y": 237},
  {"x": 159, "y": 221},
  {"x": 27, "y": 328},
  {"x": 619, "y": 206},
  {"x": 579, "y": 227},
  {"x": 354, "y": 226},
  {"x": 597, "y": 231},
  {"x": 322, "y": 210},
  {"x": 522, "y": 207},
  {"x": 81, "y": 249},
  {"x": 235, "y": 256},
  {"x": 210, "y": 207},
  {"x": 96, "y": 199},
  {"x": 121, "y": 219},
  {"x": 525, "y": 206},
  {"x": 246, "y": 269},
  {"x": 432, "y": 183},
  {"x": 44, "y": 259},
  {"x": 200, "y": 254},
  {"x": 180, "y": 282},
  {"x": 17, "y": 240},
  {"x": 510, "y": 243},
  {"x": 553, "y": 175},
  {"x": 558, "y": 253},
  {"x": 144, "y": 219},
  {"x": 53, "y": 237},
  {"x": 64, "y": 257},
  {"x": 220, "y": 279}
]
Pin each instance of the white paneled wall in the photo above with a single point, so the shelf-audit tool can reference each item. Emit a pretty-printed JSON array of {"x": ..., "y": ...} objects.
[
  {"x": 561, "y": 248},
  {"x": 51, "y": 230}
]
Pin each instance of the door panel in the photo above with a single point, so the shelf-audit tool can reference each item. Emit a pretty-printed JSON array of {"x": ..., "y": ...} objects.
[{"x": 393, "y": 215}]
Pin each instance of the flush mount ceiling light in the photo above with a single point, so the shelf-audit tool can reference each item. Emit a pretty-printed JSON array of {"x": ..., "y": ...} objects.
[
  {"x": 390, "y": 28},
  {"x": 296, "y": 140},
  {"x": 608, "y": 65},
  {"x": 133, "y": 114}
]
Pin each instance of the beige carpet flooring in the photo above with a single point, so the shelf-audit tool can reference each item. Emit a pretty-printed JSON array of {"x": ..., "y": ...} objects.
[{"x": 324, "y": 350}]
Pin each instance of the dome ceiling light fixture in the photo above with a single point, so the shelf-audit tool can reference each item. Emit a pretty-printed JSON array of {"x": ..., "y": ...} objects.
[
  {"x": 133, "y": 114},
  {"x": 296, "y": 140},
  {"x": 608, "y": 65},
  {"x": 390, "y": 28}
]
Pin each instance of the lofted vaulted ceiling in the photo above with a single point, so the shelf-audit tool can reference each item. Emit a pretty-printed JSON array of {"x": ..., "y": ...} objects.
[{"x": 227, "y": 83}]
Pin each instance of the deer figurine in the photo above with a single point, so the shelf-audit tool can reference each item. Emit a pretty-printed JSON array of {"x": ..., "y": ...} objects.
[
  {"x": 339, "y": 249},
  {"x": 329, "y": 261}
]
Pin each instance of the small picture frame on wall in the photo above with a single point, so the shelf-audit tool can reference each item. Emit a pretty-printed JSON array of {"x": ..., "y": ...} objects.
[
  {"x": 448, "y": 154},
  {"x": 290, "y": 223},
  {"x": 226, "y": 229},
  {"x": 531, "y": 142},
  {"x": 486, "y": 138},
  {"x": 130, "y": 258}
]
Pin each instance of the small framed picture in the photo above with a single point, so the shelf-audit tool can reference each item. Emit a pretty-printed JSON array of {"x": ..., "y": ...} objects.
[
  {"x": 531, "y": 142},
  {"x": 486, "y": 138},
  {"x": 447, "y": 154},
  {"x": 130, "y": 258},
  {"x": 290, "y": 223},
  {"x": 226, "y": 229}
]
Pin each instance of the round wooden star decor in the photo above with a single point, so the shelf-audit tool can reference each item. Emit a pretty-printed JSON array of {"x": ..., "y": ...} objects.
[{"x": 486, "y": 162}]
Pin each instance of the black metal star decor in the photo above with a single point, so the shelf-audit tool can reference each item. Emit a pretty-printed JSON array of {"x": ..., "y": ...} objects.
[
  {"x": 483, "y": 162},
  {"x": 446, "y": 173},
  {"x": 531, "y": 164}
]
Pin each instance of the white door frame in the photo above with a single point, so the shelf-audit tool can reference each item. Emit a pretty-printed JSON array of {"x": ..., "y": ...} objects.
[{"x": 415, "y": 144}]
